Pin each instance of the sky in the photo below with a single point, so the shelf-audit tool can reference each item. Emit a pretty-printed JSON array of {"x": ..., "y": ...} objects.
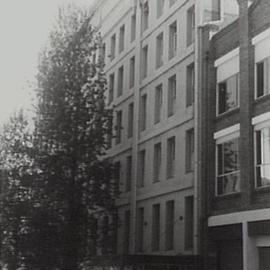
[{"x": 24, "y": 29}]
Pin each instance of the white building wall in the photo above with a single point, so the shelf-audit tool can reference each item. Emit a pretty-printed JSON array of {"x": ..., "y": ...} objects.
[{"x": 109, "y": 16}]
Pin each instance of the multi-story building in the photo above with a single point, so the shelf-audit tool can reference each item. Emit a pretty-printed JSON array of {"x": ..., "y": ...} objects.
[
  {"x": 235, "y": 122},
  {"x": 151, "y": 50}
]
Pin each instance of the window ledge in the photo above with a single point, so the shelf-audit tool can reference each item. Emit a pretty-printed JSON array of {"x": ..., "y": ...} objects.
[
  {"x": 227, "y": 196},
  {"x": 261, "y": 98},
  {"x": 228, "y": 113},
  {"x": 263, "y": 189}
]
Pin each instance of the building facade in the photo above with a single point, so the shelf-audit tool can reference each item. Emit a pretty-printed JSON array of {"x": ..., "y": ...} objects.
[
  {"x": 236, "y": 139},
  {"x": 152, "y": 50}
]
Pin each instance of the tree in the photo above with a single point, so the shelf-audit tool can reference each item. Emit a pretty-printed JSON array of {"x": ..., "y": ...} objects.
[
  {"x": 71, "y": 128},
  {"x": 17, "y": 175}
]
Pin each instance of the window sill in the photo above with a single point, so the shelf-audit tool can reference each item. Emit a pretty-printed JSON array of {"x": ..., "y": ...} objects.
[
  {"x": 227, "y": 113},
  {"x": 263, "y": 189},
  {"x": 262, "y": 98},
  {"x": 227, "y": 196},
  {"x": 189, "y": 171}
]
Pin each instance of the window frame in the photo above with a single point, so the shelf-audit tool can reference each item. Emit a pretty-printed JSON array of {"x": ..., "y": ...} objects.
[
  {"x": 171, "y": 157},
  {"x": 144, "y": 62},
  {"x": 155, "y": 230},
  {"x": 258, "y": 127},
  {"x": 190, "y": 84},
  {"x": 159, "y": 50},
  {"x": 143, "y": 112},
  {"x": 122, "y": 34},
  {"x": 111, "y": 88},
  {"x": 157, "y": 161},
  {"x": 158, "y": 103},
  {"x": 113, "y": 47},
  {"x": 191, "y": 26},
  {"x": 169, "y": 239},
  {"x": 172, "y": 96},
  {"x": 220, "y": 141},
  {"x": 131, "y": 72},
  {"x": 120, "y": 81},
  {"x": 190, "y": 155},
  {"x": 173, "y": 42},
  {"x": 130, "y": 120},
  {"x": 144, "y": 17},
  {"x": 119, "y": 120},
  {"x": 133, "y": 27},
  {"x": 159, "y": 8},
  {"x": 141, "y": 168},
  {"x": 266, "y": 77},
  {"x": 237, "y": 94}
]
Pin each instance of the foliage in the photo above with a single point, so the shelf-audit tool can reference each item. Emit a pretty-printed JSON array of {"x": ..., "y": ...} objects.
[
  {"x": 71, "y": 128},
  {"x": 17, "y": 176},
  {"x": 57, "y": 181}
]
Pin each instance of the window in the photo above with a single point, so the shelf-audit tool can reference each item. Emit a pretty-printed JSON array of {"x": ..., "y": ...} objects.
[
  {"x": 132, "y": 72},
  {"x": 189, "y": 222},
  {"x": 160, "y": 7},
  {"x": 143, "y": 112},
  {"x": 264, "y": 258},
  {"x": 172, "y": 2},
  {"x": 122, "y": 38},
  {"x": 159, "y": 50},
  {"x": 141, "y": 168},
  {"x": 169, "y": 235},
  {"x": 263, "y": 77},
  {"x": 130, "y": 119},
  {"x": 118, "y": 127},
  {"x": 117, "y": 176},
  {"x": 113, "y": 42},
  {"x": 170, "y": 157},
  {"x": 155, "y": 227},
  {"x": 144, "y": 65},
  {"x": 190, "y": 85},
  {"x": 157, "y": 162},
  {"x": 140, "y": 230},
  {"x": 190, "y": 25},
  {"x": 190, "y": 150},
  {"x": 133, "y": 28},
  {"x": 158, "y": 103},
  {"x": 111, "y": 87},
  {"x": 228, "y": 94},
  {"x": 145, "y": 16},
  {"x": 172, "y": 40},
  {"x": 126, "y": 232},
  {"x": 171, "y": 95},
  {"x": 262, "y": 158},
  {"x": 128, "y": 173},
  {"x": 216, "y": 10},
  {"x": 120, "y": 81},
  {"x": 228, "y": 174}
]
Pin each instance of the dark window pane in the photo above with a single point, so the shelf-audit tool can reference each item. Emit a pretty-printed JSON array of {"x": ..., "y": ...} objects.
[{"x": 260, "y": 79}]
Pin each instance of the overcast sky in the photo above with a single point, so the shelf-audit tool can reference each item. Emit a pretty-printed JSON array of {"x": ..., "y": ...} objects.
[{"x": 24, "y": 28}]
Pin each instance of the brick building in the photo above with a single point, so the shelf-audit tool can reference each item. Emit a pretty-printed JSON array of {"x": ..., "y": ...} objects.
[{"x": 234, "y": 124}]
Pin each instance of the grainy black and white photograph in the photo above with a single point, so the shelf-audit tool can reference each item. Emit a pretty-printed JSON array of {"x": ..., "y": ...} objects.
[{"x": 135, "y": 135}]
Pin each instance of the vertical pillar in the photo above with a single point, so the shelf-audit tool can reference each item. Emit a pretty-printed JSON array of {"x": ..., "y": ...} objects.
[
  {"x": 246, "y": 100},
  {"x": 250, "y": 251},
  {"x": 136, "y": 99}
]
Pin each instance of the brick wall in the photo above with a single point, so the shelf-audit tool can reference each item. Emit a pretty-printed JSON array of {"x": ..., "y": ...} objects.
[{"x": 223, "y": 42}]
